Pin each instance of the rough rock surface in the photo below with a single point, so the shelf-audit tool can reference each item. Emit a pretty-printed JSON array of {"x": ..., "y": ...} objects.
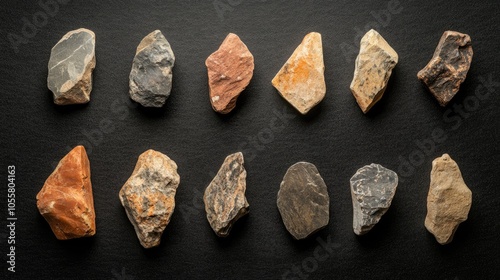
[
  {"x": 148, "y": 196},
  {"x": 230, "y": 70},
  {"x": 372, "y": 189},
  {"x": 373, "y": 68},
  {"x": 303, "y": 200},
  {"x": 448, "y": 67},
  {"x": 301, "y": 80},
  {"x": 66, "y": 199},
  {"x": 150, "y": 79},
  {"x": 224, "y": 198},
  {"x": 71, "y": 63},
  {"x": 449, "y": 199}
]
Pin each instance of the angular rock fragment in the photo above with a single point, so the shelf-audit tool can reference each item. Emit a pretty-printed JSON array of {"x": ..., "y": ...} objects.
[
  {"x": 224, "y": 198},
  {"x": 303, "y": 200},
  {"x": 71, "y": 63},
  {"x": 150, "y": 79},
  {"x": 301, "y": 80},
  {"x": 148, "y": 196},
  {"x": 373, "y": 68},
  {"x": 66, "y": 201},
  {"x": 230, "y": 70},
  {"x": 372, "y": 189},
  {"x": 449, "y": 199},
  {"x": 448, "y": 67}
]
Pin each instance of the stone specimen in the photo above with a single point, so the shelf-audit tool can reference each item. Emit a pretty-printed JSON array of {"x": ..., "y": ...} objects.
[
  {"x": 71, "y": 63},
  {"x": 150, "y": 79},
  {"x": 303, "y": 200},
  {"x": 449, "y": 199},
  {"x": 66, "y": 201},
  {"x": 230, "y": 70},
  {"x": 301, "y": 80},
  {"x": 372, "y": 189},
  {"x": 373, "y": 68},
  {"x": 448, "y": 67},
  {"x": 224, "y": 198},
  {"x": 148, "y": 196}
]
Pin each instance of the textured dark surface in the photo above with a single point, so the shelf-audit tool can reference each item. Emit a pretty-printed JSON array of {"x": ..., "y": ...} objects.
[{"x": 335, "y": 136}]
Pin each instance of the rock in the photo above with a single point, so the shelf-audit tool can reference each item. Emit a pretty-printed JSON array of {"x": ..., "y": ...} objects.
[
  {"x": 372, "y": 189},
  {"x": 148, "y": 196},
  {"x": 448, "y": 67},
  {"x": 303, "y": 200},
  {"x": 66, "y": 201},
  {"x": 71, "y": 63},
  {"x": 301, "y": 81},
  {"x": 150, "y": 79},
  {"x": 224, "y": 198},
  {"x": 449, "y": 199},
  {"x": 373, "y": 68},
  {"x": 230, "y": 70}
]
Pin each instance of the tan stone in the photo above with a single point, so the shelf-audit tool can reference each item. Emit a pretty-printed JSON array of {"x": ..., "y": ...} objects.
[
  {"x": 148, "y": 196},
  {"x": 449, "y": 199},
  {"x": 301, "y": 80},
  {"x": 66, "y": 199},
  {"x": 373, "y": 68},
  {"x": 230, "y": 70}
]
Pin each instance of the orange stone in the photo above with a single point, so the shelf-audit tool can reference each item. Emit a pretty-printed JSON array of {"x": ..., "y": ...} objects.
[{"x": 66, "y": 201}]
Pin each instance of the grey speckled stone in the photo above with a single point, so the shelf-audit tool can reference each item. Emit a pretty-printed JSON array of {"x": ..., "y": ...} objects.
[
  {"x": 372, "y": 189},
  {"x": 224, "y": 198},
  {"x": 148, "y": 196},
  {"x": 150, "y": 79},
  {"x": 303, "y": 200},
  {"x": 71, "y": 63}
]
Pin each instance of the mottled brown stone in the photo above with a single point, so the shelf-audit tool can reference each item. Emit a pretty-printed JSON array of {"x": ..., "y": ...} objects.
[
  {"x": 303, "y": 200},
  {"x": 66, "y": 199},
  {"x": 230, "y": 70},
  {"x": 148, "y": 196},
  {"x": 448, "y": 67},
  {"x": 449, "y": 199},
  {"x": 224, "y": 198}
]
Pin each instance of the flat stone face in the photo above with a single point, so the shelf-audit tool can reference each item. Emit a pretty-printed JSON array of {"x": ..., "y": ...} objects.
[
  {"x": 449, "y": 199},
  {"x": 148, "y": 196},
  {"x": 373, "y": 68},
  {"x": 301, "y": 81},
  {"x": 66, "y": 201},
  {"x": 230, "y": 70},
  {"x": 71, "y": 63},
  {"x": 448, "y": 67},
  {"x": 150, "y": 79},
  {"x": 372, "y": 189},
  {"x": 224, "y": 198},
  {"x": 303, "y": 200}
]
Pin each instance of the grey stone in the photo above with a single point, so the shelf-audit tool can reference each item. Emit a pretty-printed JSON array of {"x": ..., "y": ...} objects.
[
  {"x": 150, "y": 79},
  {"x": 71, "y": 63},
  {"x": 303, "y": 200},
  {"x": 372, "y": 189},
  {"x": 148, "y": 196},
  {"x": 224, "y": 198}
]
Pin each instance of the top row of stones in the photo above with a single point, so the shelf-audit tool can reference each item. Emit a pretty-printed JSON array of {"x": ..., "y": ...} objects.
[{"x": 301, "y": 80}]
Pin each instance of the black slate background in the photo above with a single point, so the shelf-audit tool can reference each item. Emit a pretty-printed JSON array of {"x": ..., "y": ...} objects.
[{"x": 335, "y": 136}]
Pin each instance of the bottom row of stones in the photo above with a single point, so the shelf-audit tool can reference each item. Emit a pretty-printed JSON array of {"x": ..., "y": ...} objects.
[{"x": 148, "y": 196}]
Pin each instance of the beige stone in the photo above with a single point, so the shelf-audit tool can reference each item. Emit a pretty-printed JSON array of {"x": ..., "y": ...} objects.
[
  {"x": 66, "y": 199},
  {"x": 449, "y": 199},
  {"x": 301, "y": 80},
  {"x": 373, "y": 68}
]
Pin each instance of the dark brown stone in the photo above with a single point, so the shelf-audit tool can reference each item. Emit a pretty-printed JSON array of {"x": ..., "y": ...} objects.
[
  {"x": 448, "y": 67},
  {"x": 303, "y": 200}
]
